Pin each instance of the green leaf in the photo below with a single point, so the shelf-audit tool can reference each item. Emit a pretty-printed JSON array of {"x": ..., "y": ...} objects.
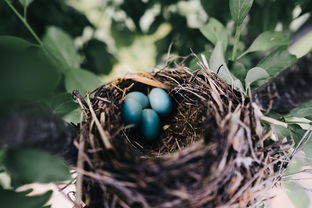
[
  {"x": 281, "y": 132},
  {"x": 61, "y": 46},
  {"x": 239, "y": 70},
  {"x": 27, "y": 75},
  {"x": 295, "y": 166},
  {"x": 268, "y": 40},
  {"x": 214, "y": 31},
  {"x": 62, "y": 104},
  {"x": 10, "y": 199},
  {"x": 255, "y": 74},
  {"x": 73, "y": 117},
  {"x": 239, "y": 10},
  {"x": 303, "y": 111},
  {"x": 14, "y": 43},
  {"x": 297, "y": 194},
  {"x": 26, "y": 3},
  {"x": 81, "y": 80},
  {"x": 293, "y": 133},
  {"x": 277, "y": 61},
  {"x": 28, "y": 166},
  {"x": 307, "y": 149},
  {"x": 217, "y": 65},
  {"x": 193, "y": 66},
  {"x": 296, "y": 133}
]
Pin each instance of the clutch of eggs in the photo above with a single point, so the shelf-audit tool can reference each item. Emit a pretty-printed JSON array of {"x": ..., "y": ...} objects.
[{"x": 144, "y": 112}]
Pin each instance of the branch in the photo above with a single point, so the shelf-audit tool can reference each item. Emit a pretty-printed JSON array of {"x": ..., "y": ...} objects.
[
  {"x": 40, "y": 130},
  {"x": 291, "y": 88}
]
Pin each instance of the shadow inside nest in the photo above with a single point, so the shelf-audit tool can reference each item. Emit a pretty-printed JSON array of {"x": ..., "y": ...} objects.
[{"x": 209, "y": 154}]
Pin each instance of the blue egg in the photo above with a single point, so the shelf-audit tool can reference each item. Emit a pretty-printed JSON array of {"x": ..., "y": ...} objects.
[
  {"x": 160, "y": 101},
  {"x": 131, "y": 112},
  {"x": 139, "y": 97},
  {"x": 150, "y": 126}
]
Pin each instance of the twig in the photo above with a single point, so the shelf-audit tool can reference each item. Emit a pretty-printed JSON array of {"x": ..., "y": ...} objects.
[
  {"x": 104, "y": 136},
  {"x": 24, "y": 22}
]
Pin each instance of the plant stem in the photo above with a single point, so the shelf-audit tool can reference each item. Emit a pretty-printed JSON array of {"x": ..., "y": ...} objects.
[
  {"x": 243, "y": 54},
  {"x": 236, "y": 41},
  {"x": 25, "y": 13},
  {"x": 24, "y": 22}
]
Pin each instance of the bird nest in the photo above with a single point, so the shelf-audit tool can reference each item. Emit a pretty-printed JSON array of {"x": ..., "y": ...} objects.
[{"x": 212, "y": 150}]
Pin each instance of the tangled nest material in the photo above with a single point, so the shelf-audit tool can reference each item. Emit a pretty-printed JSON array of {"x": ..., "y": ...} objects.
[{"x": 212, "y": 152}]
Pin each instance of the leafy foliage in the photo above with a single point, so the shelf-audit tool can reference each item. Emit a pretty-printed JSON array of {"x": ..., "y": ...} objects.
[
  {"x": 304, "y": 111},
  {"x": 61, "y": 46},
  {"x": 255, "y": 74},
  {"x": 62, "y": 103},
  {"x": 33, "y": 166},
  {"x": 297, "y": 194},
  {"x": 81, "y": 80},
  {"x": 239, "y": 10},
  {"x": 10, "y": 198},
  {"x": 218, "y": 65},
  {"x": 214, "y": 31},
  {"x": 278, "y": 60},
  {"x": 268, "y": 40}
]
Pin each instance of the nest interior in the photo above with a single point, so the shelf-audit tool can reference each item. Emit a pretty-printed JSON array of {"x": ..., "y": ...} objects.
[{"x": 212, "y": 150}]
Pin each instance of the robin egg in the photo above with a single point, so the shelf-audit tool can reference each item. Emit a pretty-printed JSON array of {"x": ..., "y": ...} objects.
[
  {"x": 139, "y": 97},
  {"x": 150, "y": 124},
  {"x": 160, "y": 101},
  {"x": 131, "y": 112}
]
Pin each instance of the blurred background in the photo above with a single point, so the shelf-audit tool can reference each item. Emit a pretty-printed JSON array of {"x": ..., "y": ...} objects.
[
  {"x": 49, "y": 48},
  {"x": 92, "y": 41}
]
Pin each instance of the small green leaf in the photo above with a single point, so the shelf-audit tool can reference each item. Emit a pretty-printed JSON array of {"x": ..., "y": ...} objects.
[
  {"x": 214, "y": 31},
  {"x": 62, "y": 104},
  {"x": 239, "y": 10},
  {"x": 296, "y": 133},
  {"x": 26, "y": 3},
  {"x": 28, "y": 166},
  {"x": 297, "y": 194},
  {"x": 10, "y": 199},
  {"x": 73, "y": 117},
  {"x": 268, "y": 40},
  {"x": 303, "y": 111},
  {"x": 277, "y": 61},
  {"x": 217, "y": 65},
  {"x": 193, "y": 66},
  {"x": 280, "y": 132},
  {"x": 81, "y": 80},
  {"x": 255, "y": 74},
  {"x": 61, "y": 46}
]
